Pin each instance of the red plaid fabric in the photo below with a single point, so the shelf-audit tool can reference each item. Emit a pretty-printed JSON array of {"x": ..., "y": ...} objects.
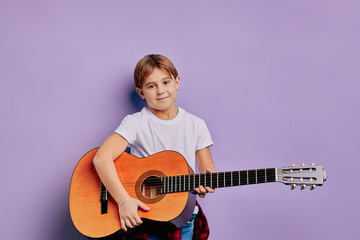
[{"x": 166, "y": 230}]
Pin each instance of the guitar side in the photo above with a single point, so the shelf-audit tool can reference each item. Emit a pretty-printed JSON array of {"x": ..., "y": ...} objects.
[{"x": 84, "y": 197}]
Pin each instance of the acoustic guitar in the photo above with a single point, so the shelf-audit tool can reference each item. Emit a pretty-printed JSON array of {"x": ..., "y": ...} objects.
[{"x": 165, "y": 183}]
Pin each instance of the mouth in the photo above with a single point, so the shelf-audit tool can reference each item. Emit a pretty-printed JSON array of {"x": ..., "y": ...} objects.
[{"x": 161, "y": 99}]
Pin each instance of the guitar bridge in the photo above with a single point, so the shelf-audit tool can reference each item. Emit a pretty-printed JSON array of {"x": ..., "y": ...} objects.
[{"x": 103, "y": 198}]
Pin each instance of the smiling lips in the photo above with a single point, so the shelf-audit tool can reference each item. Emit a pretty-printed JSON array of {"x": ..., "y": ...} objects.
[{"x": 161, "y": 99}]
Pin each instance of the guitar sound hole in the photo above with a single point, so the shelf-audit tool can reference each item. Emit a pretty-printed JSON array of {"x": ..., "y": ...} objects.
[{"x": 151, "y": 187}]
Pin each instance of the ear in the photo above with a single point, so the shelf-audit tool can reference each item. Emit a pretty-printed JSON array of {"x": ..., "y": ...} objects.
[
  {"x": 140, "y": 92},
  {"x": 177, "y": 82}
]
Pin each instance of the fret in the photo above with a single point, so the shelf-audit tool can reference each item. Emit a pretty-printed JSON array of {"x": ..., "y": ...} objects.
[
  {"x": 175, "y": 183},
  {"x": 261, "y": 176},
  {"x": 224, "y": 179},
  {"x": 221, "y": 179},
  {"x": 208, "y": 180},
  {"x": 256, "y": 176},
  {"x": 172, "y": 183},
  {"x": 247, "y": 177},
  {"x": 197, "y": 181},
  {"x": 214, "y": 180},
  {"x": 227, "y": 179},
  {"x": 211, "y": 180},
  {"x": 265, "y": 175},
  {"x": 188, "y": 183},
  {"x": 236, "y": 178},
  {"x": 252, "y": 176},
  {"x": 165, "y": 182},
  {"x": 184, "y": 184},
  {"x": 243, "y": 178},
  {"x": 202, "y": 180},
  {"x": 162, "y": 185},
  {"x": 168, "y": 184},
  {"x": 270, "y": 175}
]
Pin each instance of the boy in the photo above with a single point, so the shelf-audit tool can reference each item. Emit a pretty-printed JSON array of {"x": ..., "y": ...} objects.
[{"x": 159, "y": 126}]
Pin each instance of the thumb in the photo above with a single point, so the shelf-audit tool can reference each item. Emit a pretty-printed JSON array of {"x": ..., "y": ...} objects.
[
  {"x": 143, "y": 206},
  {"x": 208, "y": 170}
]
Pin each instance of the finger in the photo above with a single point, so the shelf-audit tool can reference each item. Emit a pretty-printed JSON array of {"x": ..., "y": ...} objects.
[
  {"x": 202, "y": 189},
  {"x": 138, "y": 220},
  {"x": 202, "y": 195},
  {"x": 210, "y": 190},
  {"x": 128, "y": 223},
  {"x": 123, "y": 226},
  {"x": 134, "y": 222},
  {"x": 143, "y": 206}
]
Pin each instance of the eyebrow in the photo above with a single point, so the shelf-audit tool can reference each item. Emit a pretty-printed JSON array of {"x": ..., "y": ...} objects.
[{"x": 165, "y": 78}]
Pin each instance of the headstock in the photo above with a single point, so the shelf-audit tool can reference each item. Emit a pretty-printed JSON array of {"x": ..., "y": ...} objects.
[{"x": 311, "y": 175}]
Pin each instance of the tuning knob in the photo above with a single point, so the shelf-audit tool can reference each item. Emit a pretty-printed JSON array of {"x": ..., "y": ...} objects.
[
  {"x": 302, "y": 186},
  {"x": 312, "y": 186},
  {"x": 293, "y": 186}
]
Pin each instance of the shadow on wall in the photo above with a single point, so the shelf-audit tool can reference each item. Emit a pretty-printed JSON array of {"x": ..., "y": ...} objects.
[
  {"x": 137, "y": 101},
  {"x": 65, "y": 230}
]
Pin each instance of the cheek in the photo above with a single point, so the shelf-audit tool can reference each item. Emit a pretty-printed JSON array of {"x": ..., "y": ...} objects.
[{"x": 148, "y": 94}]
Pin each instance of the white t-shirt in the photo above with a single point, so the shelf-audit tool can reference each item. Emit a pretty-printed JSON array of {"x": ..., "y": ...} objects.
[{"x": 147, "y": 134}]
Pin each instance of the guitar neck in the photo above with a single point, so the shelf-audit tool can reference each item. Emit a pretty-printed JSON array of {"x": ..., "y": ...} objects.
[{"x": 182, "y": 183}]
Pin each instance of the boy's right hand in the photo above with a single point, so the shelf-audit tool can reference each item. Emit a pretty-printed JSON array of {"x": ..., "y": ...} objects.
[{"x": 128, "y": 211}]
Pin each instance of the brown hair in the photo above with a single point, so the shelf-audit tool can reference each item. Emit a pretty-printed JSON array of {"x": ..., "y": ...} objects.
[{"x": 147, "y": 64}]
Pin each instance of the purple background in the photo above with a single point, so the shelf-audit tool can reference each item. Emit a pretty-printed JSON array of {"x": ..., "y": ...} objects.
[{"x": 276, "y": 81}]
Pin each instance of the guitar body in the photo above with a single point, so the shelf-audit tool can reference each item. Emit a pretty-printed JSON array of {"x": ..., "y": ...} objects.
[{"x": 84, "y": 198}]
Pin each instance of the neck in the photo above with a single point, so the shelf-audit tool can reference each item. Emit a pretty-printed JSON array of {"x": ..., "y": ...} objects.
[
  {"x": 183, "y": 183},
  {"x": 165, "y": 114}
]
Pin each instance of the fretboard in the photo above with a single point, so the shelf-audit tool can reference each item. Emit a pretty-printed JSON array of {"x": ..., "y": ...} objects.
[{"x": 182, "y": 183}]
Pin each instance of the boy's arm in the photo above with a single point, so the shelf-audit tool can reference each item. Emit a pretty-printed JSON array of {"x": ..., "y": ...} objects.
[
  {"x": 110, "y": 149},
  {"x": 206, "y": 165}
]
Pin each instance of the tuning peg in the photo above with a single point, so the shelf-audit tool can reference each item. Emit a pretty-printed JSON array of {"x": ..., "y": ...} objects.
[
  {"x": 293, "y": 186},
  {"x": 302, "y": 186},
  {"x": 312, "y": 187},
  {"x": 313, "y": 164}
]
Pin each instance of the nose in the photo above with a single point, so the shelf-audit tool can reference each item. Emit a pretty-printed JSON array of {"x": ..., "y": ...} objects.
[{"x": 159, "y": 90}]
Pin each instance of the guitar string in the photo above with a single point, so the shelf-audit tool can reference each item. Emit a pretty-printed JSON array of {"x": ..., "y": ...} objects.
[
  {"x": 227, "y": 182},
  {"x": 195, "y": 177}
]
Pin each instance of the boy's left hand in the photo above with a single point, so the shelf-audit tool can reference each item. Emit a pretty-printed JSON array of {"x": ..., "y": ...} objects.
[{"x": 201, "y": 190}]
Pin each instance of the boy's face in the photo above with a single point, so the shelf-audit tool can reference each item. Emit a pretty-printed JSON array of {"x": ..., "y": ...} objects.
[{"x": 159, "y": 90}]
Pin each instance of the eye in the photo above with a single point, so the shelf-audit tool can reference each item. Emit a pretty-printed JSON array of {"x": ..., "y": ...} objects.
[{"x": 150, "y": 86}]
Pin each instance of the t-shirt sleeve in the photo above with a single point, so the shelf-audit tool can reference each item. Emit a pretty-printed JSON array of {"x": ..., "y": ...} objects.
[
  {"x": 127, "y": 129},
  {"x": 204, "y": 138}
]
